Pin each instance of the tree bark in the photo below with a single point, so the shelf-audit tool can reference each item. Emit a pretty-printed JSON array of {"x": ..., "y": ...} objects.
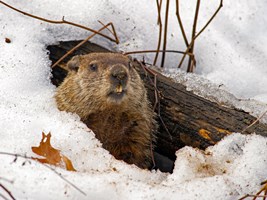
[{"x": 184, "y": 118}]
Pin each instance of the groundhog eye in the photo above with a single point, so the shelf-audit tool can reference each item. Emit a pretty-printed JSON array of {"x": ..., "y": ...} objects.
[{"x": 93, "y": 67}]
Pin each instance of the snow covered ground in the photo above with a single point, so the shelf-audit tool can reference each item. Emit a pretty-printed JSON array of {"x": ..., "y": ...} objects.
[{"x": 232, "y": 52}]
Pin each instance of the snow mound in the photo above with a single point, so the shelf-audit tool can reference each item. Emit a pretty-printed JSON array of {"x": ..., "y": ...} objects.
[{"x": 231, "y": 52}]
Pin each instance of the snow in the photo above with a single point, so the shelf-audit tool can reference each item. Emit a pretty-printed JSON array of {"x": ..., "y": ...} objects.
[{"x": 231, "y": 59}]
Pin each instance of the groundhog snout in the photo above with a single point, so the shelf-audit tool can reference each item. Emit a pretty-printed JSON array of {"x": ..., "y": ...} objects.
[{"x": 119, "y": 74}]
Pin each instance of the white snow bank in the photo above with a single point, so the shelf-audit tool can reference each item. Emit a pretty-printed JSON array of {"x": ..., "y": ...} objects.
[{"x": 228, "y": 170}]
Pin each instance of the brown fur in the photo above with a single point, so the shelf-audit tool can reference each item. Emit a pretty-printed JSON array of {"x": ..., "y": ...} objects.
[{"x": 122, "y": 119}]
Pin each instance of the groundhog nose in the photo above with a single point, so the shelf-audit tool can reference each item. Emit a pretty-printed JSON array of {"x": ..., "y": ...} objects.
[{"x": 119, "y": 73}]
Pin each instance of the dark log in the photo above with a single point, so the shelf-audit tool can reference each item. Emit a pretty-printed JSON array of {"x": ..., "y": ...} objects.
[{"x": 184, "y": 118}]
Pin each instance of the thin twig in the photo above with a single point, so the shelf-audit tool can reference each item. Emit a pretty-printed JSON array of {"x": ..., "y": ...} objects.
[
  {"x": 63, "y": 21},
  {"x": 3, "y": 197},
  {"x": 4, "y": 179},
  {"x": 253, "y": 123},
  {"x": 47, "y": 166},
  {"x": 250, "y": 195},
  {"x": 212, "y": 17},
  {"x": 159, "y": 4},
  {"x": 257, "y": 195},
  {"x": 152, "y": 155},
  {"x": 191, "y": 50},
  {"x": 264, "y": 190},
  {"x": 160, "y": 31},
  {"x": 157, "y": 95},
  {"x": 147, "y": 70},
  {"x": 7, "y": 191},
  {"x": 165, "y": 33},
  {"x": 7, "y": 180},
  {"x": 80, "y": 44},
  {"x": 155, "y": 51},
  {"x": 197, "y": 35},
  {"x": 180, "y": 23},
  {"x": 113, "y": 31}
]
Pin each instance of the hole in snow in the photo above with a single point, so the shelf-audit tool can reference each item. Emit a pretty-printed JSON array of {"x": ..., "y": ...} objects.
[{"x": 164, "y": 158}]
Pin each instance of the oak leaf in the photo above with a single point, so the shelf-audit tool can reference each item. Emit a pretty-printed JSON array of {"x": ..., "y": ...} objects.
[{"x": 51, "y": 155}]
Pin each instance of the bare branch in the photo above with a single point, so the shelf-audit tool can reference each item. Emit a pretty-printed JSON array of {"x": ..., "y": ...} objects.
[
  {"x": 47, "y": 166},
  {"x": 197, "y": 35},
  {"x": 63, "y": 21},
  {"x": 113, "y": 31},
  {"x": 3, "y": 197},
  {"x": 253, "y": 123},
  {"x": 157, "y": 95},
  {"x": 191, "y": 50},
  {"x": 160, "y": 31},
  {"x": 165, "y": 33},
  {"x": 7, "y": 191},
  {"x": 212, "y": 17},
  {"x": 180, "y": 23},
  {"x": 257, "y": 195},
  {"x": 4, "y": 179},
  {"x": 155, "y": 51},
  {"x": 152, "y": 156},
  {"x": 80, "y": 44}
]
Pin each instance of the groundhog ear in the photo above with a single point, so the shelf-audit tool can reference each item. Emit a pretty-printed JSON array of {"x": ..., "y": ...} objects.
[{"x": 74, "y": 63}]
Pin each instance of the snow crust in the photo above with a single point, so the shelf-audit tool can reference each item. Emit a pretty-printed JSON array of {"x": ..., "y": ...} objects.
[{"x": 231, "y": 53}]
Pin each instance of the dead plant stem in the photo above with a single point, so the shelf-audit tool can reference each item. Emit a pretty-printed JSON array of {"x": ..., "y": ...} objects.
[
  {"x": 47, "y": 166},
  {"x": 155, "y": 51},
  {"x": 191, "y": 50},
  {"x": 180, "y": 23},
  {"x": 7, "y": 191},
  {"x": 157, "y": 96},
  {"x": 197, "y": 35},
  {"x": 160, "y": 30},
  {"x": 80, "y": 44},
  {"x": 63, "y": 21},
  {"x": 253, "y": 123},
  {"x": 165, "y": 33}
]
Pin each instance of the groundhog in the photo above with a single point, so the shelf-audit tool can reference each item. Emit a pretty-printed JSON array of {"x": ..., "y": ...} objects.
[{"x": 109, "y": 96}]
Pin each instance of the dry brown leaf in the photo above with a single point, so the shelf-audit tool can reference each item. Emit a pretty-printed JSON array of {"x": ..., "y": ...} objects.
[
  {"x": 51, "y": 155},
  {"x": 68, "y": 163}
]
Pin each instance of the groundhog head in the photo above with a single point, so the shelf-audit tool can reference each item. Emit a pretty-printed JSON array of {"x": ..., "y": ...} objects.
[{"x": 108, "y": 78}]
